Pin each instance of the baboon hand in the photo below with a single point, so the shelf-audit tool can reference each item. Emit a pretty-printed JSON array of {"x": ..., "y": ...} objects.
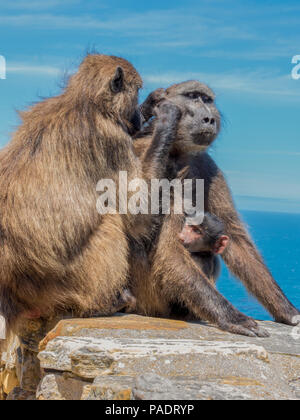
[
  {"x": 292, "y": 318},
  {"x": 243, "y": 325},
  {"x": 168, "y": 111},
  {"x": 155, "y": 97},
  {"x": 126, "y": 301},
  {"x": 147, "y": 108}
]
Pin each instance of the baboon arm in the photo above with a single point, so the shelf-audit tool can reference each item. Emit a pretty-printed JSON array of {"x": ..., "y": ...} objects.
[
  {"x": 242, "y": 257},
  {"x": 181, "y": 280},
  {"x": 155, "y": 159}
]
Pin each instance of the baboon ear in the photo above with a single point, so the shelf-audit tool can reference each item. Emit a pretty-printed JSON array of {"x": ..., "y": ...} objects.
[
  {"x": 117, "y": 82},
  {"x": 221, "y": 244}
]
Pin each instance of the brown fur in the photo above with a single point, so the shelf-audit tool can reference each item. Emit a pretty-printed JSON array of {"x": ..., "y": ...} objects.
[
  {"x": 173, "y": 277},
  {"x": 56, "y": 252}
]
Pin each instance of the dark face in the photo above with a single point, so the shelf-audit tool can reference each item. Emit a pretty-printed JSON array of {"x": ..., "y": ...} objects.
[
  {"x": 136, "y": 121},
  {"x": 200, "y": 123},
  {"x": 207, "y": 237},
  {"x": 125, "y": 99}
]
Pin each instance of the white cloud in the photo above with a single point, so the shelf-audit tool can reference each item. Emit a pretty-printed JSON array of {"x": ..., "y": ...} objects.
[
  {"x": 272, "y": 205},
  {"x": 259, "y": 82},
  {"x": 254, "y": 54},
  {"x": 274, "y": 152},
  {"x": 208, "y": 27},
  {"x": 164, "y": 25},
  {"x": 263, "y": 185},
  {"x": 49, "y": 21},
  {"x": 32, "y": 69}
]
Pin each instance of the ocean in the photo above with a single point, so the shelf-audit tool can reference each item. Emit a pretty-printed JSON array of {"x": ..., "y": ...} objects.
[{"x": 277, "y": 236}]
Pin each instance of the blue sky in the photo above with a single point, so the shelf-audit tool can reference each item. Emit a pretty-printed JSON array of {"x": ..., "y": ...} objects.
[{"x": 242, "y": 48}]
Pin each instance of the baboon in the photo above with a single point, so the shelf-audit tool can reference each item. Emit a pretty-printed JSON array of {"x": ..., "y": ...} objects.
[
  {"x": 57, "y": 253},
  {"x": 205, "y": 242},
  {"x": 173, "y": 276}
]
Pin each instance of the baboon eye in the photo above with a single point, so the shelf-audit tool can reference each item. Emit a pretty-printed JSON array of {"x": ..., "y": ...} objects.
[
  {"x": 196, "y": 95},
  {"x": 193, "y": 95},
  {"x": 206, "y": 99},
  {"x": 197, "y": 229}
]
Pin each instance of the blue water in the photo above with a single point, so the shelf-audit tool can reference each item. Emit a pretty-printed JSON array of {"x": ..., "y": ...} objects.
[{"x": 278, "y": 238}]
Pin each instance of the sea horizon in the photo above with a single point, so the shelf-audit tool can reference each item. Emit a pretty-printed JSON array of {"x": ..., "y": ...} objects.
[{"x": 277, "y": 236}]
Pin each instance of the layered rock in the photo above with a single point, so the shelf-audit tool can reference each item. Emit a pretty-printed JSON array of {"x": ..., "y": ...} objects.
[{"x": 130, "y": 357}]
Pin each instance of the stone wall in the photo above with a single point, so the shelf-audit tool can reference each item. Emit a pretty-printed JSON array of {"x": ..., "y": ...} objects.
[{"x": 128, "y": 357}]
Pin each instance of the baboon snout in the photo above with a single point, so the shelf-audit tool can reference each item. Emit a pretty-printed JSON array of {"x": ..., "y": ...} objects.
[
  {"x": 201, "y": 121},
  {"x": 209, "y": 121},
  {"x": 137, "y": 121},
  {"x": 187, "y": 236},
  {"x": 181, "y": 237}
]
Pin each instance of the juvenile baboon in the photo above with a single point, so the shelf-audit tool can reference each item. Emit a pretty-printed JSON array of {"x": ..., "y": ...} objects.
[
  {"x": 173, "y": 276},
  {"x": 57, "y": 253},
  {"x": 205, "y": 242}
]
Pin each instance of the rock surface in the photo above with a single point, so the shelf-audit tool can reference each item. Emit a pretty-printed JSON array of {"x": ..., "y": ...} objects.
[
  {"x": 8, "y": 366},
  {"x": 130, "y": 357},
  {"x": 2, "y": 329},
  {"x": 177, "y": 360},
  {"x": 20, "y": 371}
]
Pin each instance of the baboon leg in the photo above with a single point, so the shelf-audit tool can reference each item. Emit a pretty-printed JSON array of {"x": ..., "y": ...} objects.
[
  {"x": 103, "y": 268},
  {"x": 241, "y": 255},
  {"x": 181, "y": 280},
  {"x": 149, "y": 302}
]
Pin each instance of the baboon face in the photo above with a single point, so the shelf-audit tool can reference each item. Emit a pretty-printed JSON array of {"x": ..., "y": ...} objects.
[
  {"x": 207, "y": 237},
  {"x": 112, "y": 84},
  {"x": 200, "y": 123},
  {"x": 194, "y": 239}
]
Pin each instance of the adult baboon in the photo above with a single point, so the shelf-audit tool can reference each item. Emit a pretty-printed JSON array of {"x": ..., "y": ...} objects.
[
  {"x": 173, "y": 277},
  {"x": 57, "y": 253}
]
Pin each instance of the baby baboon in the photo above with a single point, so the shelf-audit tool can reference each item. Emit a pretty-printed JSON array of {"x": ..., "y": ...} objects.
[
  {"x": 205, "y": 242},
  {"x": 57, "y": 253},
  {"x": 173, "y": 274}
]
